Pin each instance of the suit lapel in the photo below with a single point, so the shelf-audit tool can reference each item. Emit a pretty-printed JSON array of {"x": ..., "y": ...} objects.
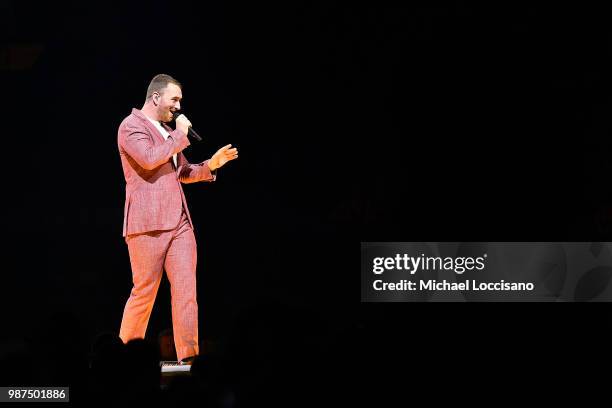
[
  {"x": 156, "y": 134},
  {"x": 179, "y": 154},
  {"x": 149, "y": 125}
]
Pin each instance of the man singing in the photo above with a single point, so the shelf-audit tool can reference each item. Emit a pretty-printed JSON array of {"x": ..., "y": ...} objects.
[{"x": 157, "y": 225}]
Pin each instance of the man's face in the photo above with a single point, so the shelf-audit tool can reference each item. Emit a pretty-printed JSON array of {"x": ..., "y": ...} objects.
[{"x": 169, "y": 101}]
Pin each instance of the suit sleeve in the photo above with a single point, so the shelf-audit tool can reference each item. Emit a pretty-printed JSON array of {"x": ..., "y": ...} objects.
[
  {"x": 138, "y": 145},
  {"x": 192, "y": 173}
]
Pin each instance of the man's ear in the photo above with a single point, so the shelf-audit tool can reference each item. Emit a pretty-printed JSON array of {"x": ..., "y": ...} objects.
[{"x": 156, "y": 97}]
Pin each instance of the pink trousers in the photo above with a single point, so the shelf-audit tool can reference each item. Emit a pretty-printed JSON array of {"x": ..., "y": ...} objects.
[{"x": 151, "y": 253}]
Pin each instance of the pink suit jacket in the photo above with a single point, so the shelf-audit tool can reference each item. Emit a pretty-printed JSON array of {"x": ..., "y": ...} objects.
[{"x": 153, "y": 193}]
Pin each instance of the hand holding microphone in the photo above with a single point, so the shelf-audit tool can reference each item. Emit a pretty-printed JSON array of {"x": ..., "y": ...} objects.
[{"x": 184, "y": 125}]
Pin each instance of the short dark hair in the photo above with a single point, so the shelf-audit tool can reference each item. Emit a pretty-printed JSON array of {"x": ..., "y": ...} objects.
[{"x": 159, "y": 82}]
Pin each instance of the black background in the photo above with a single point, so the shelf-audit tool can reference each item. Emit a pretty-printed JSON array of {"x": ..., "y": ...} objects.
[{"x": 355, "y": 122}]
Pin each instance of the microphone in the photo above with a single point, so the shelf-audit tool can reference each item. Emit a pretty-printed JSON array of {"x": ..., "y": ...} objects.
[{"x": 192, "y": 132}]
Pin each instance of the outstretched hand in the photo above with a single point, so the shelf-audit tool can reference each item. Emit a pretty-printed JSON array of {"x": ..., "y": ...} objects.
[{"x": 222, "y": 156}]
